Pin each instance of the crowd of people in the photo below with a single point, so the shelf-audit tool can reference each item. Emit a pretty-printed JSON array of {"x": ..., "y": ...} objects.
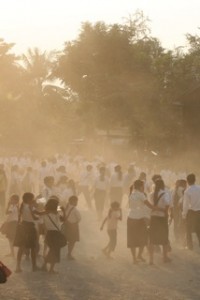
[{"x": 40, "y": 199}]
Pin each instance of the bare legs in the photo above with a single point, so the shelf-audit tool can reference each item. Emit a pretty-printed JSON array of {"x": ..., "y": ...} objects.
[
  {"x": 19, "y": 258},
  {"x": 139, "y": 257},
  {"x": 70, "y": 249},
  {"x": 165, "y": 254}
]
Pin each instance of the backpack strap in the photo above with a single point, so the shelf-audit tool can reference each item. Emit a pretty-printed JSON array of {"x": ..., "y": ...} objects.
[{"x": 158, "y": 199}]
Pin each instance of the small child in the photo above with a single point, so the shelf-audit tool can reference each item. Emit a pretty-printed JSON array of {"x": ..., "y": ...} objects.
[{"x": 114, "y": 215}]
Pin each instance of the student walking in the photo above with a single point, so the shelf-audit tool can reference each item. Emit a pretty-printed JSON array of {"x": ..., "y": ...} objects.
[{"x": 114, "y": 215}]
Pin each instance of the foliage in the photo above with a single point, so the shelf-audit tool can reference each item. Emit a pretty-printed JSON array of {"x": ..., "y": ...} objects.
[{"x": 110, "y": 76}]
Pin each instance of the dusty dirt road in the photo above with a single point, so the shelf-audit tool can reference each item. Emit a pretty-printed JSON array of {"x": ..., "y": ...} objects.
[{"x": 93, "y": 277}]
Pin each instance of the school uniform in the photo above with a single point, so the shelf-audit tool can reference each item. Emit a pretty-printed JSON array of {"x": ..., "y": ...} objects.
[
  {"x": 52, "y": 226},
  {"x": 177, "y": 194},
  {"x": 26, "y": 234},
  {"x": 100, "y": 190},
  {"x": 137, "y": 234},
  {"x": 47, "y": 192},
  {"x": 116, "y": 188},
  {"x": 158, "y": 231},
  {"x": 191, "y": 212},
  {"x": 85, "y": 183},
  {"x": 72, "y": 223}
]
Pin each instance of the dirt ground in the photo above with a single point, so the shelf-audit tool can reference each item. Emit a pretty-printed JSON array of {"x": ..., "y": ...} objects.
[{"x": 93, "y": 277}]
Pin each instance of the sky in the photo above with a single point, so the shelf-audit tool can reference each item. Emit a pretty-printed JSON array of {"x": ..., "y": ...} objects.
[{"x": 47, "y": 24}]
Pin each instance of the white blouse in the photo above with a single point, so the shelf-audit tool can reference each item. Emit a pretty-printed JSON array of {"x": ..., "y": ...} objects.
[
  {"x": 162, "y": 203},
  {"x": 26, "y": 214},
  {"x": 101, "y": 184},
  {"x": 74, "y": 216},
  {"x": 49, "y": 224},
  {"x": 115, "y": 181},
  {"x": 136, "y": 204},
  {"x": 13, "y": 213}
]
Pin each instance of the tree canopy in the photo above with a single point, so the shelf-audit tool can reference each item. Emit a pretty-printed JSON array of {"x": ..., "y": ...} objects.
[{"x": 110, "y": 76}]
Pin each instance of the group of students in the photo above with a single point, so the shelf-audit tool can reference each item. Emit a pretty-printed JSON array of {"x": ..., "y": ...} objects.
[
  {"x": 23, "y": 228},
  {"x": 54, "y": 212}
]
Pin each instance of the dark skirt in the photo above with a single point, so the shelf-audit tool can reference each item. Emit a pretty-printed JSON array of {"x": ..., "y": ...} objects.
[
  {"x": 116, "y": 194},
  {"x": 137, "y": 235},
  {"x": 71, "y": 231},
  {"x": 52, "y": 241},
  {"x": 26, "y": 236},
  {"x": 9, "y": 230},
  {"x": 158, "y": 231}
]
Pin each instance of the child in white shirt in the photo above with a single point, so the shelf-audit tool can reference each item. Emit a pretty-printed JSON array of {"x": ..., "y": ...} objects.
[{"x": 114, "y": 215}]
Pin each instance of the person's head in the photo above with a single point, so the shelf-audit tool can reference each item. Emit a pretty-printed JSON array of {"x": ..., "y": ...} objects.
[
  {"x": 115, "y": 205},
  {"x": 89, "y": 168},
  {"x": 52, "y": 205},
  {"x": 191, "y": 179},
  {"x": 71, "y": 184},
  {"x": 14, "y": 199},
  {"x": 143, "y": 176},
  {"x": 28, "y": 198},
  {"x": 183, "y": 183},
  {"x": 73, "y": 200},
  {"x": 118, "y": 169},
  {"x": 49, "y": 181},
  {"x": 138, "y": 185},
  {"x": 102, "y": 170},
  {"x": 61, "y": 169},
  {"x": 156, "y": 177},
  {"x": 159, "y": 185}
]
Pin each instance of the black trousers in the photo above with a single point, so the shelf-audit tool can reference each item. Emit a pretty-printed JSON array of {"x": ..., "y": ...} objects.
[{"x": 192, "y": 225}]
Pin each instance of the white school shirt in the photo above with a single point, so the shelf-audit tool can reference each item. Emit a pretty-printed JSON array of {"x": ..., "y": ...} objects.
[
  {"x": 137, "y": 208},
  {"x": 115, "y": 181},
  {"x": 65, "y": 194},
  {"x": 112, "y": 221},
  {"x": 48, "y": 192},
  {"x": 101, "y": 184},
  {"x": 162, "y": 203},
  {"x": 26, "y": 214},
  {"x": 86, "y": 179},
  {"x": 13, "y": 213},
  {"x": 74, "y": 216},
  {"x": 43, "y": 172},
  {"x": 49, "y": 224},
  {"x": 191, "y": 199}
]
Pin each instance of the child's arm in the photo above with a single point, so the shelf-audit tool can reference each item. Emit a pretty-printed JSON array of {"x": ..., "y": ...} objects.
[
  {"x": 120, "y": 217},
  {"x": 105, "y": 220},
  {"x": 7, "y": 209}
]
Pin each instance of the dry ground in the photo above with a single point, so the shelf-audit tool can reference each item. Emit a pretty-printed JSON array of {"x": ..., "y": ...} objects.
[{"x": 92, "y": 276}]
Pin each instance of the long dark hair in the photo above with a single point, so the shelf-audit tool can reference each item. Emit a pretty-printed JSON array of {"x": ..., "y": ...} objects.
[
  {"x": 159, "y": 185},
  {"x": 136, "y": 185}
]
